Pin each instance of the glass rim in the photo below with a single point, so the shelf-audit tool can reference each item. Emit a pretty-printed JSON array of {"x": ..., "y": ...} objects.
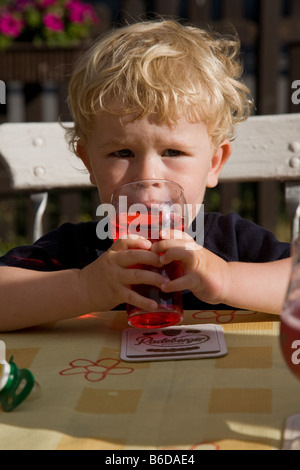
[{"x": 147, "y": 181}]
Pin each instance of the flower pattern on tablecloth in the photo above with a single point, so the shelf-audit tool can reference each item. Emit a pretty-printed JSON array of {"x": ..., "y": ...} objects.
[
  {"x": 95, "y": 371},
  {"x": 221, "y": 316}
]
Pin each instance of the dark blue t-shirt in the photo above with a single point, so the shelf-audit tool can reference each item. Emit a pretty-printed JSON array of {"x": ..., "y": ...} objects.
[{"x": 77, "y": 245}]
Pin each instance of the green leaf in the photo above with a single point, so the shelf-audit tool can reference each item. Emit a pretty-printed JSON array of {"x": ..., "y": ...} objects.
[
  {"x": 33, "y": 18},
  {"x": 5, "y": 42}
]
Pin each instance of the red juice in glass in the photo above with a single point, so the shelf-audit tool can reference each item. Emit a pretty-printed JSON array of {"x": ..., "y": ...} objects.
[
  {"x": 290, "y": 336},
  {"x": 170, "y": 310}
]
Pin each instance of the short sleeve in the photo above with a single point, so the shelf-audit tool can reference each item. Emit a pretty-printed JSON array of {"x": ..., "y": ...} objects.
[
  {"x": 236, "y": 239},
  {"x": 69, "y": 246}
]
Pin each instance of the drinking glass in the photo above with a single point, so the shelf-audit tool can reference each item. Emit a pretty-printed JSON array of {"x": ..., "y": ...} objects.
[
  {"x": 145, "y": 208},
  {"x": 290, "y": 316}
]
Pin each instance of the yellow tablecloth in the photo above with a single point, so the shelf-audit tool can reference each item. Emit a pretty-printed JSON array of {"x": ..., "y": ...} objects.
[{"x": 90, "y": 399}]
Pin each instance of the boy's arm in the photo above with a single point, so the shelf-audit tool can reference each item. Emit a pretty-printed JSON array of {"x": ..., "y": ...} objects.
[
  {"x": 30, "y": 297},
  {"x": 258, "y": 286},
  {"x": 251, "y": 286}
]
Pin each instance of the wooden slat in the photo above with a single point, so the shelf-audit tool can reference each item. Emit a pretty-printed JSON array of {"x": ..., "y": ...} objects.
[
  {"x": 132, "y": 10},
  {"x": 23, "y": 61},
  {"x": 266, "y": 148},
  {"x": 199, "y": 13},
  {"x": 232, "y": 9},
  {"x": 38, "y": 157},
  {"x": 232, "y": 19},
  {"x": 167, "y": 7},
  {"x": 246, "y": 29},
  {"x": 289, "y": 30},
  {"x": 268, "y": 60},
  {"x": 267, "y": 92}
]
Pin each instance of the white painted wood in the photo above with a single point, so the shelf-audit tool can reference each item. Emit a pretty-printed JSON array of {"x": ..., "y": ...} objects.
[
  {"x": 37, "y": 157},
  {"x": 265, "y": 148}
]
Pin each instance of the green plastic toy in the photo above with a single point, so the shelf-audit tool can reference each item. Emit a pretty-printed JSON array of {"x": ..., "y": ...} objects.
[{"x": 15, "y": 384}]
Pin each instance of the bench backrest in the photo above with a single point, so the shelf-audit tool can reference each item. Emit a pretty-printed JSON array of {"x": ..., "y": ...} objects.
[
  {"x": 266, "y": 148},
  {"x": 37, "y": 157}
]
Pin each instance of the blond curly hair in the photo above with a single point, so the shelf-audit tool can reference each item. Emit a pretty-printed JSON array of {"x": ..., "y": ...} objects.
[{"x": 162, "y": 68}]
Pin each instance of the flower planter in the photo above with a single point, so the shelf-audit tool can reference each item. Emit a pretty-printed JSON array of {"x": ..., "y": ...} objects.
[{"x": 35, "y": 64}]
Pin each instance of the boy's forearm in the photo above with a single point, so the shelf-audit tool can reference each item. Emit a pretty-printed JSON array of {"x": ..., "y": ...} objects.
[
  {"x": 259, "y": 286},
  {"x": 30, "y": 297}
]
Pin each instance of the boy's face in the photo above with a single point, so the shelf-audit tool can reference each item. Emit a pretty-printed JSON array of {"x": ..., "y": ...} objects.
[{"x": 119, "y": 151}]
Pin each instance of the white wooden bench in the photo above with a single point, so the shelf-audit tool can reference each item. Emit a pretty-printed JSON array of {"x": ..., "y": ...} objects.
[{"x": 38, "y": 160}]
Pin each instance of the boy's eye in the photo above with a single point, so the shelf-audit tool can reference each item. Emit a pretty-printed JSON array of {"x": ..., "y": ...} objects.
[
  {"x": 172, "y": 153},
  {"x": 124, "y": 153}
]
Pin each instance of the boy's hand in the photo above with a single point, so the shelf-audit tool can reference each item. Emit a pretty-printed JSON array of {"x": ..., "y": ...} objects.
[
  {"x": 106, "y": 282},
  {"x": 206, "y": 275}
]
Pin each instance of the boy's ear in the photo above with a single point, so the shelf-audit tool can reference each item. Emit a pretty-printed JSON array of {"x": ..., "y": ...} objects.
[
  {"x": 218, "y": 160},
  {"x": 82, "y": 154}
]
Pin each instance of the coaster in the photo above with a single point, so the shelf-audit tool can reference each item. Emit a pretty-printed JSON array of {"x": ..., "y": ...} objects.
[{"x": 173, "y": 342}]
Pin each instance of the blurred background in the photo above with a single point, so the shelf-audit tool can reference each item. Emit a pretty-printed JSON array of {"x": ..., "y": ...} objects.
[{"x": 36, "y": 63}]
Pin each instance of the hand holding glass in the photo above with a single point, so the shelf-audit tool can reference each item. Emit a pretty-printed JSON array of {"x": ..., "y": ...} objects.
[{"x": 146, "y": 208}]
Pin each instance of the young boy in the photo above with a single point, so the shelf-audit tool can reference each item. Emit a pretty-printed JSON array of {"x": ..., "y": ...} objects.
[{"x": 151, "y": 100}]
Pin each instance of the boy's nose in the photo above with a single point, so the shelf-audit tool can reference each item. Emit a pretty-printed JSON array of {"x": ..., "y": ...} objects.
[
  {"x": 148, "y": 168},
  {"x": 148, "y": 184},
  {"x": 149, "y": 190}
]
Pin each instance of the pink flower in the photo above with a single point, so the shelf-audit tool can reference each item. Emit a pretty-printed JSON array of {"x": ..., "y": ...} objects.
[
  {"x": 62, "y": 21},
  {"x": 76, "y": 9},
  {"x": 53, "y": 22},
  {"x": 90, "y": 14},
  {"x": 10, "y": 26},
  {"x": 80, "y": 12}
]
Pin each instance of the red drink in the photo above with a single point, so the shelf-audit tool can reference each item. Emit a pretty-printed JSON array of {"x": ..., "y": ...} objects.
[
  {"x": 147, "y": 225},
  {"x": 170, "y": 311},
  {"x": 290, "y": 337}
]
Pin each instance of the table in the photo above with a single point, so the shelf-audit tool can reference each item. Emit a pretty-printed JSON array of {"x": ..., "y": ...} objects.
[{"x": 91, "y": 399}]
